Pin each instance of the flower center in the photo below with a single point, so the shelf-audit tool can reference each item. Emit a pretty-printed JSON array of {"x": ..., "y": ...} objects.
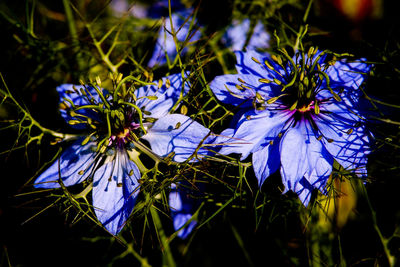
[{"x": 306, "y": 108}]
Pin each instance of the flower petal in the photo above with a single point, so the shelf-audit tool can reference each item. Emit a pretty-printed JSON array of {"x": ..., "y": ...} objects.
[
  {"x": 165, "y": 44},
  {"x": 349, "y": 75},
  {"x": 167, "y": 95},
  {"x": 179, "y": 134},
  {"x": 182, "y": 209},
  {"x": 75, "y": 165},
  {"x": 266, "y": 161},
  {"x": 115, "y": 188},
  {"x": 240, "y": 89},
  {"x": 73, "y": 93},
  {"x": 293, "y": 149},
  {"x": 254, "y": 130},
  {"x": 253, "y": 63},
  {"x": 349, "y": 145},
  {"x": 236, "y": 35},
  {"x": 302, "y": 155}
]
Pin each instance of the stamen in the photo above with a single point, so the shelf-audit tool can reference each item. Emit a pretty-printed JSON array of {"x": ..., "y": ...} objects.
[
  {"x": 264, "y": 81},
  {"x": 255, "y": 60}
]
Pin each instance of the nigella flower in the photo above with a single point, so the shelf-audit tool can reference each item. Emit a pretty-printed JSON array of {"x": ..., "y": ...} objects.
[
  {"x": 108, "y": 156},
  {"x": 236, "y": 36},
  {"x": 296, "y": 114},
  {"x": 185, "y": 31}
]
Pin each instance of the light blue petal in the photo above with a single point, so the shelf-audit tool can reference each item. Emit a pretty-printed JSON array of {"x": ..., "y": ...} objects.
[
  {"x": 180, "y": 220},
  {"x": 167, "y": 95},
  {"x": 304, "y": 190},
  {"x": 253, "y": 63},
  {"x": 316, "y": 178},
  {"x": 266, "y": 161},
  {"x": 74, "y": 94},
  {"x": 75, "y": 165},
  {"x": 115, "y": 188},
  {"x": 236, "y": 35},
  {"x": 348, "y": 144},
  {"x": 293, "y": 150},
  {"x": 165, "y": 42},
  {"x": 254, "y": 130},
  {"x": 349, "y": 75},
  {"x": 303, "y": 155},
  {"x": 179, "y": 134},
  {"x": 182, "y": 208},
  {"x": 230, "y": 89},
  {"x": 319, "y": 176}
]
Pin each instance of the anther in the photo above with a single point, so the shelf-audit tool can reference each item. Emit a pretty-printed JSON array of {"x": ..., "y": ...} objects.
[
  {"x": 278, "y": 82},
  {"x": 268, "y": 65},
  {"x": 255, "y": 60},
  {"x": 264, "y": 81},
  {"x": 241, "y": 80}
]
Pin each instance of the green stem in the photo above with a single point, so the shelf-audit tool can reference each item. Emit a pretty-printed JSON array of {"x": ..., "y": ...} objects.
[
  {"x": 164, "y": 241},
  {"x": 384, "y": 241},
  {"x": 300, "y": 34},
  {"x": 73, "y": 32}
]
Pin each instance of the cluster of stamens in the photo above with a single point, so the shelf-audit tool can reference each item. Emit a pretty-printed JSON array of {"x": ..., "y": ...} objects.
[{"x": 300, "y": 80}]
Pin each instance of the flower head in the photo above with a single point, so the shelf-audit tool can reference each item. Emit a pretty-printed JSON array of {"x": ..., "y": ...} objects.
[
  {"x": 108, "y": 155},
  {"x": 296, "y": 114},
  {"x": 179, "y": 24}
]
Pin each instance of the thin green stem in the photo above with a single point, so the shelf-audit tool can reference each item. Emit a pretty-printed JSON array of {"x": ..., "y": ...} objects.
[
  {"x": 384, "y": 241},
  {"x": 163, "y": 238},
  {"x": 73, "y": 32}
]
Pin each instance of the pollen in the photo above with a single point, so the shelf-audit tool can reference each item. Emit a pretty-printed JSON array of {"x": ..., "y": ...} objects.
[
  {"x": 124, "y": 133},
  {"x": 305, "y": 109}
]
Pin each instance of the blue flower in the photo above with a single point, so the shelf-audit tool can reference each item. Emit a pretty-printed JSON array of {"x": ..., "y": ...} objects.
[
  {"x": 185, "y": 32},
  {"x": 108, "y": 156},
  {"x": 183, "y": 202},
  {"x": 297, "y": 115},
  {"x": 236, "y": 36}
]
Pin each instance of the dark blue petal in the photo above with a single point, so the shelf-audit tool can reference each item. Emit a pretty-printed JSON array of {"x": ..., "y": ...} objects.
[
  {"x": 167, "y": 95},
  {"x": 75, "y": 165},
  {"x": 73, "y": 93},
  {"x": 160, "y": 8},
  {"x": 115, "y": 188},
  {"x": 179, "y": 134}
]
